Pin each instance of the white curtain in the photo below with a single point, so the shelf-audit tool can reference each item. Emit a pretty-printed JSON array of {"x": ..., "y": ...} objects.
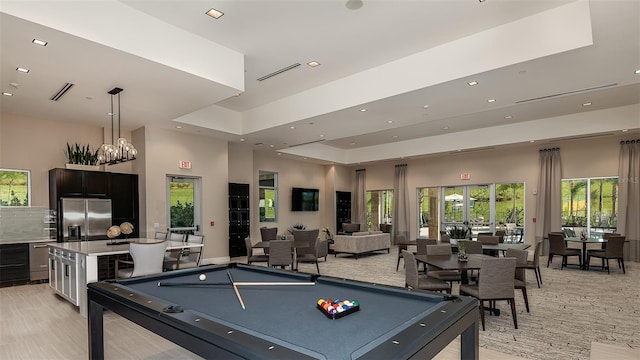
[
  {"x": 400, "y": 211},
  {"x": 629, "y": 197},
  {"x": 549, "y": 200},
  {"x": 360, "y": 200}
]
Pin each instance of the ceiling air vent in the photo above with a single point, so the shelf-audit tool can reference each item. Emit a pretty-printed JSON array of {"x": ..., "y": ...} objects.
[
  {"x": 63, "y": 90},
  {"x": 307, "y": 143},
  {"x": 567, "y": 93},
  {"x": 278, "y": 72}
]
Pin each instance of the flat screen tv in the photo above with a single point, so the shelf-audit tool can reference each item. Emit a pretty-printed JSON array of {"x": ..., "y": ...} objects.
[{"x": 304, "y": 199}]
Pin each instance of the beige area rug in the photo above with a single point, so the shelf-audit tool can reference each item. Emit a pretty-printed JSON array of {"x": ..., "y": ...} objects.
[{"x": 572, "y": 309}]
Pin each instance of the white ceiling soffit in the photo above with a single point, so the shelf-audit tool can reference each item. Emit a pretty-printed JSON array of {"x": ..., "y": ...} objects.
[
  {"x": 536, "y": 36},
  {"x": 124, "y": 28}
]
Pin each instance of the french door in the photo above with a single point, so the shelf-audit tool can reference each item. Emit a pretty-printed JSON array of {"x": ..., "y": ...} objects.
[{"x": 184, "y": 214}]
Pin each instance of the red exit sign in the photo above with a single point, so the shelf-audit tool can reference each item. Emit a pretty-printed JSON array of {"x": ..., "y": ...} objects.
[
  {"x": 465, "y": 176},
  {"x": 185, "y": 164}
]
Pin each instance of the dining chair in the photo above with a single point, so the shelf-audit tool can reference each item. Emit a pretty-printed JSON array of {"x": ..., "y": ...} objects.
[
  {"x": 535, "y": 263},
  {"x": 500, "y": 234},
  {"x": 172, "y": 257},
  {"x": 557, "y": 246},
  {"x": 401, "y": 240},
  {"x": 268, "y": 234},
  {"x": 147, "y": 259},
  {"x": 190, "y": 257},
  {"x": 413, "y": 280},
  {"x": 495, "y": 282},
  {"x": 472, "y": 247},
  {"x": 317, "y": 245},
  {"x": 251, "y": 258},
  {"x": 520, "y": 281},
  {"x": 614, "y": 250},
  {"x": 444, "y": 237},
  {"x": 159, "y": 235},
  {"x": 421, "y": 248},
  {"x": 306, "y": 236},
  {"x": 281, "y": 253},
  {"x": 444, "y": 275}
]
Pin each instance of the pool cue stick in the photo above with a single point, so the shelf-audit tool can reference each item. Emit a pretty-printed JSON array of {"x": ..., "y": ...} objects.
[
  {"x": 204, "y": 284},
  {"x": 235, "y": 289}
]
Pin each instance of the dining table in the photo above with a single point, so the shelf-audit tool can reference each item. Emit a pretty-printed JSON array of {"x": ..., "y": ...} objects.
[{"x": 584, "y": 243}]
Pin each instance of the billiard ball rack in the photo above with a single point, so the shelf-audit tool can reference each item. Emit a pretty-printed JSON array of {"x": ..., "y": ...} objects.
[{"x": 325, "y": 305}]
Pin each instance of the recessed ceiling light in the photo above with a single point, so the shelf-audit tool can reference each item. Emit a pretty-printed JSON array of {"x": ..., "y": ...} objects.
[
  {"x": 7, "y": 94},
  {"x": 22, "y": 70},
  {"x": 352, "y": 143},
  {"x": 216, "y": 14},
  {"x": 321, "y": 135},
  {"x": 445, "y": 128},
  {"x": 395, "y": 136},
  {"x": 508, "y": 117},
  {"x": 625, "y": 130},
  {"x": 472, "y": 83},
  {"x": 313, "y": 63},
  {"x": 272, "y": 146},
  {"x": 363, "y": 110},
  {"x": 425, "y": 106},
  {"x": 279, "y": 153},
  {"x": 637, "y": 71},
  {"x": 39, "y": 42},
  {"x": 491, "y": 100},
  {"x": 304, "y": 158},
  {"x": 586, "y": 104},
  {"x": 389, "y": 121},
  {"x": 532, "y": 141},
  {"x": 178, "y": 127},
  {"x": 242, "y": 140},
  {"x": 292, "y": 127}
]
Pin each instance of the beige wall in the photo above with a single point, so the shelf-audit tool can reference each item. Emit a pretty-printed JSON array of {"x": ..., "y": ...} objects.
[{"x": 163, "y": 151}]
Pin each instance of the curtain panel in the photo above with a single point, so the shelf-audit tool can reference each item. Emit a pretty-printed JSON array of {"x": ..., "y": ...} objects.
[
  {"x": 360, "y": 200},
  {"x": 629, "y": 197},
  {"x": 400, "y": 213},
  {"x": 549, "y": 200}
]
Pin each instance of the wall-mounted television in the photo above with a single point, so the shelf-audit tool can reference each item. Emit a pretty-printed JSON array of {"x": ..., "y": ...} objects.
[{"x": 305, "y": 199}]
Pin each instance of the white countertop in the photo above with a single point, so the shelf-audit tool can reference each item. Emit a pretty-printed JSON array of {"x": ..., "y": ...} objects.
[{"x": 101, "y": 247}]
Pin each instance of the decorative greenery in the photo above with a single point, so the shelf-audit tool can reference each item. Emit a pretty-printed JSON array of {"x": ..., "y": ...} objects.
[
  {"x": 81, "y": 155},
  {"x": 458, "y": 232},
  {"x": 296, "y": 226},
  {"x": 181, "y": 215}
]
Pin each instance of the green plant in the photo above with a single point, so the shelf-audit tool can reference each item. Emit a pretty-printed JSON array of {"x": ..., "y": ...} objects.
[
  {"x": 296, "y": 226},
  {"x": 458, "y": 232},
  {"x": 81, "y": 155}
]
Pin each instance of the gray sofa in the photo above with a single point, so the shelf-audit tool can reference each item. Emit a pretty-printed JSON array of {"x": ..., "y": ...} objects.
[{"x": 361, "y": 242}]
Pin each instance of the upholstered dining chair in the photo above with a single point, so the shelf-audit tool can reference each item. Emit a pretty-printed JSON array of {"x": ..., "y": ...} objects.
[
  {"x": 557, "y": 246},
  {"x": 444, "y": 237},
  {"x": 251, "y": 258},
  {"x": 268, "y": 234},
  {"x": 472, "y": 247},
  {"x": 421, "y": 248},
  {"x": 159, "y": 235},
  {"x": 317, "y": 245},
  {"x": 614, "y": 250},
  {"x": 500, "y": 234},
  {"x": 189, "y": 258},
  {"x": 413, "y": 280},
  {"x": 147, "y": 259},
  {"x": 172, "y": 257},
  {"x": 520, "y": 279},
  {"x": 495, "y": 282},
  {"x": 308, "y": 236},
  {"x": 444, "y": 275},
  {"x": 281, "y": 253},
  {"x": 535, "y": 263}
]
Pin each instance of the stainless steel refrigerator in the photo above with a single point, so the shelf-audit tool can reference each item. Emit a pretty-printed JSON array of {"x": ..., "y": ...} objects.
[{"x": 85, "y": 219}]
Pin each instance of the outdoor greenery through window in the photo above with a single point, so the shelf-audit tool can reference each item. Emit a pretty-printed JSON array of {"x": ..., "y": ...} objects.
[
  {"x": 590, "y": 206},
  {"x": 182, "y": 199},
  {"x": 379, "y": 208},
  {"x": 15, "y": 187},
  {"x": 268, "y": 189}
]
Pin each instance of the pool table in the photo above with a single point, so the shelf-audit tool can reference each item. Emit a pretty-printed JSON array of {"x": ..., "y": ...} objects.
[{"x": 282, "y": 321}]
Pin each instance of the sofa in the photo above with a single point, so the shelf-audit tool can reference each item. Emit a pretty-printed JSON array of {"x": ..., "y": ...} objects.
[{"x": 361, "y": 242}]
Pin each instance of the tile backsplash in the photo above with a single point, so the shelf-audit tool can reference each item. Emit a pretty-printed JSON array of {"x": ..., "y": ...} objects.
[{"x": 25, "y": 223}]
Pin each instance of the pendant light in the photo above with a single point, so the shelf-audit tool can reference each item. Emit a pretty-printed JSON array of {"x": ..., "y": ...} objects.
[{"x": 122, "y": 150}]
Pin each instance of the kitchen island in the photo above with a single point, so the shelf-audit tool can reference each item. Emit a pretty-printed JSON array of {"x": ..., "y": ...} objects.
[{"x": 73, "y": 265}]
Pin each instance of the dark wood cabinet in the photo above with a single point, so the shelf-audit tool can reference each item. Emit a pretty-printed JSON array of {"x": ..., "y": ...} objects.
[
  {"x": 14, "y": 264},
  {"x": 122, "y": 189},
  {"x": 239, "y": 223},
  {"x": 343, "y": 209}
]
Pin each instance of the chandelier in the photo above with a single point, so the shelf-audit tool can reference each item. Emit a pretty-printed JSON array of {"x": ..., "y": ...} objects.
[{"x": 120, "y": 151}]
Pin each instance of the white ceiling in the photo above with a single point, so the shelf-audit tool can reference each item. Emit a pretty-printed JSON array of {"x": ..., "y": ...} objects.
[{"x": 540, "y": 60}]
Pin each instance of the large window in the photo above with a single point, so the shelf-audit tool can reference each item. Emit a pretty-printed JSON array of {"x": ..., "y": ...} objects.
[
  {"x": 589, "y": 206},
  {"x": 379, "y": 208},
  {"x": 15, "y": 187},
  {"x": 184, "y": 204},
  {"x": 268, "y": 189}
]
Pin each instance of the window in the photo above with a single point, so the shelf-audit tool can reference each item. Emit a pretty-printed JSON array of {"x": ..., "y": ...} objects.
[
  {"x": 184, "y": 204},
  {"x": 379, "y": 208},
  {"x": 428, "y": 212},
  {"x": 268, "y": 189},
  {"x": 15, "y": 187},
  {"x": 589, "y": 206}
]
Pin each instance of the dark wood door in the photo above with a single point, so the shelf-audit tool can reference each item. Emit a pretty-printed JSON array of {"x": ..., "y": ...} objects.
[{"x": 239, "y": 224}]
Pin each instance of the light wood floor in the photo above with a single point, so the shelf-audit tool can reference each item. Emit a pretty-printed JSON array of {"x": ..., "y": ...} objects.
[{"x": 36, "y": 324}]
